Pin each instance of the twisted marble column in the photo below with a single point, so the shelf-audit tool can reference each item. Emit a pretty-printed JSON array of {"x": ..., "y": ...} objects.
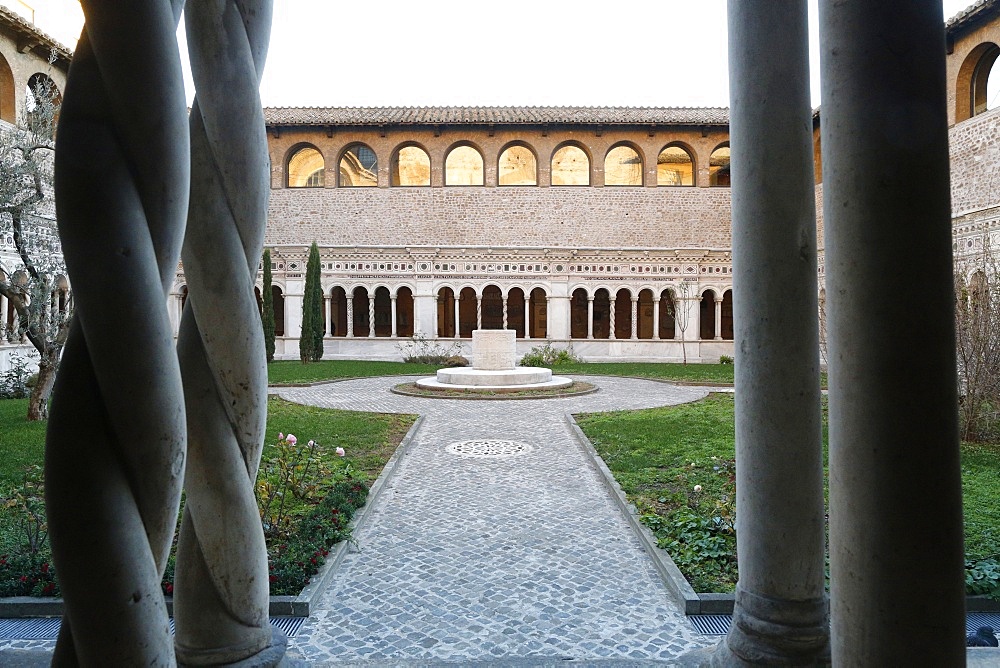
[
  {"x": 115, "y": 448},
  {"x": 221, "y": 584}
]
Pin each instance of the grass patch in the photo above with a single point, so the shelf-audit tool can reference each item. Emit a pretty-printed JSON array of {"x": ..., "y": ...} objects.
[
  {"x": 696, "y": 373},
  {"x": 319, "y": 518},
  {"x": 21, "y": 442},
  {"x": 292, "y": 371},
  {"x": 659, "y": 455}
]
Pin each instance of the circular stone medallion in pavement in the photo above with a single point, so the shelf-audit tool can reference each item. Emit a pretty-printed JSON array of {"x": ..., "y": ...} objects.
[{"x": 488, "y": 447}]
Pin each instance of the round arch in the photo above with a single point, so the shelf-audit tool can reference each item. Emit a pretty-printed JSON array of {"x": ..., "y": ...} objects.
[
  {"x": 623, "y": 165},
  {"x": 305, "y": 167},
  {"x": 410, "y": 166},
  {"x": 357, "y": 166},
  {"x": 570, "y": 165},
  {"x": 464, "y": 165},
  {"x": 676, "y": 165},
  {"x": 718, "y": 166},
  {"x": 971, "y": 87},
  {"x": 517, "y": 165}
]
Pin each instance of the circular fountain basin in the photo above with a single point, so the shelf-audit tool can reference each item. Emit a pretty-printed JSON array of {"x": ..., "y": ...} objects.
[{"x": 518, "y": 378}]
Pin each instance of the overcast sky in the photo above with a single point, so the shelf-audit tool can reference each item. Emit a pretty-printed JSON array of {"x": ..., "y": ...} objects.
[{"x": 463, "y": 52}]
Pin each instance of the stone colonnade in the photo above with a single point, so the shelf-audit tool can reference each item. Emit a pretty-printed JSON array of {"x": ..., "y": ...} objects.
[
  {"x": 896, "y": 569},
  {"x": 535, "y": 311}
]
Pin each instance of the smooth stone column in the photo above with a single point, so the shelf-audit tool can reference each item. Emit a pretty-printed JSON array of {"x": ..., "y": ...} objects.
[
  {"x": 896, "y": 553},
  {"x": 527, "y": 317},
  {"x": 780, "y": 615},
  {"x": 350, "y": 314},
  {"x": 590, "y": 317},
  {"x": 718, "y": 318},
  {"x": 457, "y": 329},
  {"x": 395, "y": 330},
  {"x": 656, "y": 318}
]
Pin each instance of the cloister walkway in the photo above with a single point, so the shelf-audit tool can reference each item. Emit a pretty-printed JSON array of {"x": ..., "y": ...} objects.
[{"x": 523, "y": 557}]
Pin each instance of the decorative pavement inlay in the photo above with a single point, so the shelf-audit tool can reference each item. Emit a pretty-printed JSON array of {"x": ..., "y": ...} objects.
[{"x": 488, "y": 447}]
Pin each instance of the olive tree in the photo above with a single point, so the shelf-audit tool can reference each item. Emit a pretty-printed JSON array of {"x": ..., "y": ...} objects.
[{"x": 33, "y": 280}]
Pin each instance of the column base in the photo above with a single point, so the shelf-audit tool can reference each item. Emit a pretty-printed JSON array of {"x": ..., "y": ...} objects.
[
  {"x": 272, "y": 656},
  {"x": 772, "y": 632}
]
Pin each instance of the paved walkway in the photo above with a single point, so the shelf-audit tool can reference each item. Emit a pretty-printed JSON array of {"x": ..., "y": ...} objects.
[{"x": 523, "y": 556}]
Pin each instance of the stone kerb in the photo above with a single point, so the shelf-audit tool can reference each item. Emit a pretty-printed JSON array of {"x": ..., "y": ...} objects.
[{"x": 494, "y": 349}]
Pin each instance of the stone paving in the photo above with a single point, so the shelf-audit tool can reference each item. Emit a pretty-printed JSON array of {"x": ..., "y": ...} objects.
[{"x": 513, "y": 557}]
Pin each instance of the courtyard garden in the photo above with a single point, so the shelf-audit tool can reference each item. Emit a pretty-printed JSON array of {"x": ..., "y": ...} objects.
[{"x": 676, "y": 464}]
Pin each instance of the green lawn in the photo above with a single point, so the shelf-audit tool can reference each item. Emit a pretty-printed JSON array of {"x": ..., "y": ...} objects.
[
  {"x": 659, "y": 455},
  {"x": 21, "y": 442},
  {"x": 292, "y": 371}
]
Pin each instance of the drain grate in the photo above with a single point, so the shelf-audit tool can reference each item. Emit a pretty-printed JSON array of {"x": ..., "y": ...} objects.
[
  {"x": 47, "y": 628},
  {"x": 718, "y": 625},
  {"x": 488, "y": 447},
  {"x": 711, "y": 625}
]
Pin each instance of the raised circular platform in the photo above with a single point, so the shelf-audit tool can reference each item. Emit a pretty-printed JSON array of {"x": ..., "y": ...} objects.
[
  {"x": 519, "y": 375},
  {"x": 553, "y": 383}
]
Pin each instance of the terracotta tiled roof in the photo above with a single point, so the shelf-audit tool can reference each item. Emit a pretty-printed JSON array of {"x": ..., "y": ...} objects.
[
  {"x": 497, "y": 115},
  {"x": 13, "y": 21},
  {"x": 973, "y": 13}
]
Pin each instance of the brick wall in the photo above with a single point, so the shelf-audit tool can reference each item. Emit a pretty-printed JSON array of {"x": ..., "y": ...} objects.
[
  {"x": 975, "y": 163},
  {"x": 529, "y": 216}
]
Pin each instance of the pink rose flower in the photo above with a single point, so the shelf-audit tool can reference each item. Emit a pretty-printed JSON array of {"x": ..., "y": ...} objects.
[
  {"x": 291, "y": 439},
  {"x": 281, "y": 436},
  {"x": 340, "y": 452}
]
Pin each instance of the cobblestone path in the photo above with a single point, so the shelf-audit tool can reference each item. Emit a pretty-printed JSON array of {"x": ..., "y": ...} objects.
[{"x": 521, "y": 556}]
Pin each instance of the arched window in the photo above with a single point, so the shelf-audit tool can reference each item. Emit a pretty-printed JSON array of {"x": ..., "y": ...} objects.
[
  {"x": 383, "y": 312},
  {"x": 338, "y": 311},
  {"x": 602, "y": 314},
  {"x": 668, "y": 313},
  {"x": 8, "y": 106},
  {"x": 492, "y": 307},
  {"x": 517, "y": 167},
  {"x": 446, "y": 313},
  {"x": 468, "y": 318},
  {"x": 644, "y": 315},
  {"x": 707, "y": 316},
  {"x": 578, "y": 314},
  {"x": 362, "y": 323},
  {"x": 622, "y": 167},
  {"x": 358, "y": 167},
  {"x": 515, "y": 311},
  {"x": 278, "y": 300},
  {"x": 404, "y": 312},
  {"x": 538, "y": 314},
  {"x": 976, "y": 89},
  {"x": 718, "y": 167},
  {"x": 674, "y": 167},
  {"x": 305, "y": 168},
  {"x": 570, "y": 167},
  {"x": 727, "y": 315},
  {"x": 623, "y": 314},
  {"x": 411, "y": 166},
  {"x": 463, "y": 167}
]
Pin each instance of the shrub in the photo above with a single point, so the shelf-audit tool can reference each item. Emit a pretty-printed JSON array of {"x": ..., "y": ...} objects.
[
  {"x": 725, "y": 359},
  {"x": 983, "y": 577},
  {"x": 456, "y": 361},
  {"x": 17, "y": 381},
  {"x": 547, "y": 356},
  {"x": 421, "y": 350}
]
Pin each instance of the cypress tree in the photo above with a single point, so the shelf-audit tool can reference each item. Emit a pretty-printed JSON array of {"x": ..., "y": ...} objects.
[
  {"x": 311, "y": 340},
  {"x": 267, "y": 316}
]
